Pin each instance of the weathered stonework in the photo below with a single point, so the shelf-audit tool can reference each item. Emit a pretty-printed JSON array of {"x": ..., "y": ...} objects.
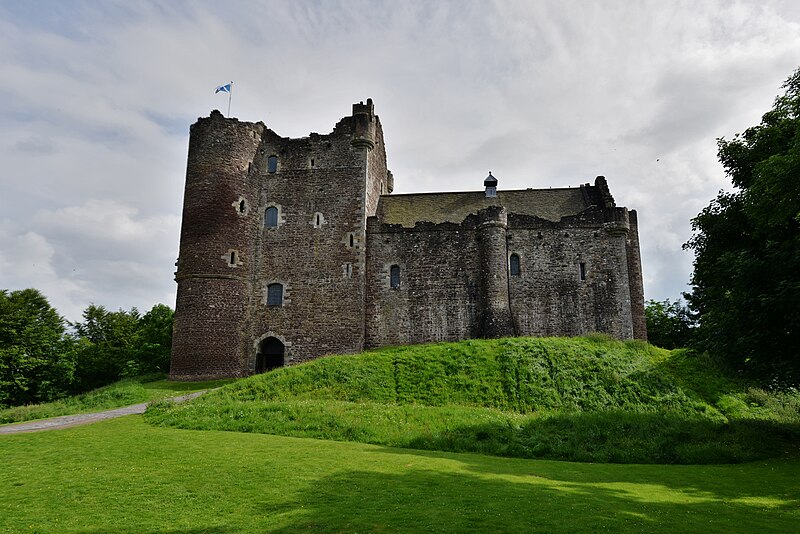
[{"x": 317, "y": 280}]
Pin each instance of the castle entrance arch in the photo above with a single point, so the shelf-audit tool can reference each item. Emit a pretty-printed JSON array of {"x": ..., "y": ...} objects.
[{"x": 270, "y": 355}]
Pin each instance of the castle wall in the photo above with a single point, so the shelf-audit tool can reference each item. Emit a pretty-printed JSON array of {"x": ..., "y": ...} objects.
[
  {"x": 636, "y": 278},
  {"x": 317, "y": 252},
  {"x": 439, "y": 295},
  {"x": 549, "y": 298},
  {"x": 453, "y": 287}
]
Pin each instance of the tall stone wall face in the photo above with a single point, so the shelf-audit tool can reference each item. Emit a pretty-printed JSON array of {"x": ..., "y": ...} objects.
[
  {"x": 450, "y": 283},
  {"x": 214, "y": 266},
  {"x": 317, "y": 251},
  {"x": 636, "y": 279},
  {"x": 439, "y": 295},
  {"x": 549, "y": 298}
]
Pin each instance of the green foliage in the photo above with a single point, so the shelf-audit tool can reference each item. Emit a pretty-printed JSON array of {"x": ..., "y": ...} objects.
[
  {"x": 669, "y": 324},
  {"x": 123, "y": 343},
  {"x": 37, "y": 360},
  {"x": 746, "y": 290},
  {"x": 40, "y": 361},
  {"x": 125, "y": 476},
  {"x": 583, "y": 399}
]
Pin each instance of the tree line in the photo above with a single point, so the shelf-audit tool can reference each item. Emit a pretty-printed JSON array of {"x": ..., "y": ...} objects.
[
  {"x": 744, "y": 303},
  {"x": 43, "y": 357}
]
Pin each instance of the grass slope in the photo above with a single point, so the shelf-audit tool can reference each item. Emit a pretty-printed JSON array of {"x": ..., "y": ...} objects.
[
  {"x": 124, "y": 476},
  {"x": 584, "y": 399},
  {"x": 122, "y": 393}
]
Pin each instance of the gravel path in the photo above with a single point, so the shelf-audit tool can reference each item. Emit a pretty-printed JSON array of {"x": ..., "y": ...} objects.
[{"x": 66, "y": 421}]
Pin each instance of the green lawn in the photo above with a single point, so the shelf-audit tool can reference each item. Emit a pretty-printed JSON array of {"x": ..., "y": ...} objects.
[{"x": 126, "y": 476}]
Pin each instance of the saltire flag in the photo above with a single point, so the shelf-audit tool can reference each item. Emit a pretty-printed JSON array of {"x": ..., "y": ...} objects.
[{"x": 223, "y": 88}]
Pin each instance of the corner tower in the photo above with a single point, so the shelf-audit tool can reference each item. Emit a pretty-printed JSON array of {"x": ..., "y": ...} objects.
[{"x": 215, "y": 265}]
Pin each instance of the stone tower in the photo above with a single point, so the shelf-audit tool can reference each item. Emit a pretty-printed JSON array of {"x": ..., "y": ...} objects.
[{"x": 272, "y": 251}]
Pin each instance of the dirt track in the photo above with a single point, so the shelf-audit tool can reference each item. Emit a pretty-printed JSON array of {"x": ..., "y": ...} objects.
[{"x": 66, "y": 421}]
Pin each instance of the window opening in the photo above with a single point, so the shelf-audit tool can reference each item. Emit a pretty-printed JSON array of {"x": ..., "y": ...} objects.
[
  {"x": 394, "y": 277},
  {"x": 582, "y": 268},
  {"x": 271, "y": 217},
  {"x": 351, "y": 240},
  {"x": 317, "y": 219},
  {"x": 242, "y": 206},
  {"x": 312, "y": 162},
  {"x": 275, "y": 295},
  {"x": 272, "y": 164},
  {"x": 233, "y": 258},
  {"x": 348, "y": 270},
  {"x": 514, "y": 265}
]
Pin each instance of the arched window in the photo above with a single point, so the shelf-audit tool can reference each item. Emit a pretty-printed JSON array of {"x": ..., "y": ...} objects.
[
  {"x": 394, "y": 277},
  {"x": 275, "y": 295},
  {"x": 514, "y": 265},
  {"x": 272, "y": 164},
  {"x": 271, "y": 217}
]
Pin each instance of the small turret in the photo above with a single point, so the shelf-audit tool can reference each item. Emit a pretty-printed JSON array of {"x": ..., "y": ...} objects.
[
  {"x": 364, "y": 125},
  {"x": 490, "y": 183}
]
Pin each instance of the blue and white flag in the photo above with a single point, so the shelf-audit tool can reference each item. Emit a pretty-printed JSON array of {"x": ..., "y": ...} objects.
[{"x": 224, "y": 88}]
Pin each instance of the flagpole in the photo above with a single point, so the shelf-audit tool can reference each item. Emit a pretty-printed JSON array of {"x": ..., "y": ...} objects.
[{"x": 230, "y": 93}]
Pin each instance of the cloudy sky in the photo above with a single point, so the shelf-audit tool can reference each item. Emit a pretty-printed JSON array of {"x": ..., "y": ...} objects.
[{"x": 97, "y": 97}]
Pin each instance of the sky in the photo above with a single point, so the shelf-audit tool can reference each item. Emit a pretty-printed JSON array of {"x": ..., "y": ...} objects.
[{"x": 97, "y": 99}]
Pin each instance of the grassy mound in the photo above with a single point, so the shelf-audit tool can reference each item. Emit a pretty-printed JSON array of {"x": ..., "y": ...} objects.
[{"x": 585, "y": 399}]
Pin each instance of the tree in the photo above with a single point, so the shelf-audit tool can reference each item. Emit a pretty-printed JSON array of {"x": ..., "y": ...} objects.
[
  {"x": 669, "y": 324},
  {"x": 107, "y": 346},
  {"x": 746, "y": 288},
  {"x": 37, "y": 358},
  {"x": 113, "y": 345}
]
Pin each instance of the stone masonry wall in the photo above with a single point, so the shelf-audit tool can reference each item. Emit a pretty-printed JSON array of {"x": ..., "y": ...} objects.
[{"x": 214, "y": 265}]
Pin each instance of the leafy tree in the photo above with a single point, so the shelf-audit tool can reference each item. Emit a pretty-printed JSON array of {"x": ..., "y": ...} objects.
[
  {"x": 154, "y": 342},
  {"x": 37, "y": 358},
  {"x": 123, "y": 343},
  {"x": 107, "y": 348},
  {"x": 669, "y": 324},
  {"x": 746, "y": 288}
]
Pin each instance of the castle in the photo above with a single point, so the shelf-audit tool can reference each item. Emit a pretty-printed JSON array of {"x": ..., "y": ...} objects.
[{"x": 292, "y": 249}]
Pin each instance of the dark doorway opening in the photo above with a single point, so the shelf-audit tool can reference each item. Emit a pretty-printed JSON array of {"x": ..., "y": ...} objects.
[{"x": 270, "y": 355}]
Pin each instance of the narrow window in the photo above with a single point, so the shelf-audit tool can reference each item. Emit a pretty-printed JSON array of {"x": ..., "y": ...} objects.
[
  {"x": 348, "y": 270},
  {"x": 312, "y": 162},
  {"x": 242, "y": 206},
  {"x": 394, "y": 277},
  {"x": 272, "y": 164},
  {"x": 351, "y": 240},
  {"x": 249, "y": 167},
  {"x": 233, "y": 258},
  {"x": 275, "y": 295},
  {"x": 582, "y": 268},
  {"x": 317, "y": 223},
  {"x": 271, "y": 217},
  {"x": 514, "y": 265}
]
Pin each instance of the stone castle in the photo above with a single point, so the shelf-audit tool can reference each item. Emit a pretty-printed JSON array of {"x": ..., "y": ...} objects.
[{"x": 292, "y": 249}]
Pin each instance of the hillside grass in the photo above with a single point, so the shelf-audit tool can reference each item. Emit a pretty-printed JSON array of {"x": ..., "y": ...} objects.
[
  {"x": 122, "y": 476},
  {"x": 590, "y": 399},
  {"x": 122, "y": 393}
]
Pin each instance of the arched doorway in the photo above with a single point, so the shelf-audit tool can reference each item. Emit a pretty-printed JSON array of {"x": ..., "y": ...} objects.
[{"x": 270, "y": 355}]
